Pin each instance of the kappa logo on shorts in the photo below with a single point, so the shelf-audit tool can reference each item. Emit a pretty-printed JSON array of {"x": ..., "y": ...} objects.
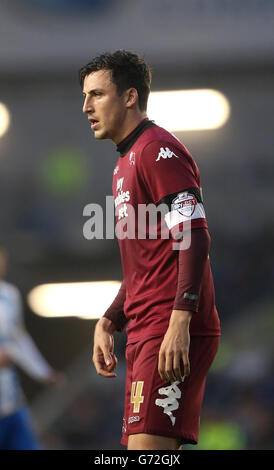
[{"x": 170, "y": 403}]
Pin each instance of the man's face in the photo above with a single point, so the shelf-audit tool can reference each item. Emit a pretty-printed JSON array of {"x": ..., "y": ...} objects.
[{"x": 106, "y": 110}]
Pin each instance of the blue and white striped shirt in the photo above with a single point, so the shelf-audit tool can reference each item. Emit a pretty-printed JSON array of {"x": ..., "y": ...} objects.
[{"x": 19, "y": 346}]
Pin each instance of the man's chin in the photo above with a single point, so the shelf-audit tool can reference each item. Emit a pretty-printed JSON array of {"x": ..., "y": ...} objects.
[{"x": 100, "y": 135}]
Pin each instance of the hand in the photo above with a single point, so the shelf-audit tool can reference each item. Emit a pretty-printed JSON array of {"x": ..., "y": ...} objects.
[
  {"x": 104, "y": 358},
  {"x": 55, "y": 379},
  {"x": 175, "y": 347}
]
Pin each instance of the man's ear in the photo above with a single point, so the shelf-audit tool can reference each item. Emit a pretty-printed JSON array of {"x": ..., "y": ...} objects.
[{"x": 131, "y": 97}]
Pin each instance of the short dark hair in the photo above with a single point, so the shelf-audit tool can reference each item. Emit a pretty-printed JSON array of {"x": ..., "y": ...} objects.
[{"x": 127, "y": 70}]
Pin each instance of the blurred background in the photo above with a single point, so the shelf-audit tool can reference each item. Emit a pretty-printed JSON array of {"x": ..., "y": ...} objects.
[{"x": 51, "y": 168}]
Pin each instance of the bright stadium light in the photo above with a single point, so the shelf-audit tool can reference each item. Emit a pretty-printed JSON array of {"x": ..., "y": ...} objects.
[
  {"x": 77, "y": 299},
  {"x": 188, "y": 110},
  {"x": 4, "y": 119}
]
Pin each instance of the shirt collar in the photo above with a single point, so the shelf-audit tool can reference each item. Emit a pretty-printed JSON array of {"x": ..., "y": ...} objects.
[{"x": 124, "y": 146}]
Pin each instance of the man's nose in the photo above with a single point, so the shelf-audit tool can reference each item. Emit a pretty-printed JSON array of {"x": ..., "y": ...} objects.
[{"x": 87, "y": 106}]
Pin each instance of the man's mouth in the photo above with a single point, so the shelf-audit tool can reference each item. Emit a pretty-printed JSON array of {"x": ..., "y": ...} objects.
[{"x": 93, "y": 123}]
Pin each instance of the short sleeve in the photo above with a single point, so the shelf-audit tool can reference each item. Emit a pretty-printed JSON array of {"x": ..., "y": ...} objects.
[
  {"x": 167, "y": 169},
  {"x": 172, "y": 177}
]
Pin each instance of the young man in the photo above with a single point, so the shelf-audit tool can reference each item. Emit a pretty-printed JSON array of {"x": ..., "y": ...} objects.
[{"x": 167, "y": 294}]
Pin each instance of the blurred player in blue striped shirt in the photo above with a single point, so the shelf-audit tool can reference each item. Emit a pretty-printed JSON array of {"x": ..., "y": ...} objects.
[{"x": 17, "y": 350}]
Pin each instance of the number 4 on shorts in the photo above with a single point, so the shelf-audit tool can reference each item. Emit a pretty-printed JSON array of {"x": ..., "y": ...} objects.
[{"x": 136, "y": 395}]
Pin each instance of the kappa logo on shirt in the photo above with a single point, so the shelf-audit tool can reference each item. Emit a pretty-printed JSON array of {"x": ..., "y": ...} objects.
[{"x": 165, "y": 153}]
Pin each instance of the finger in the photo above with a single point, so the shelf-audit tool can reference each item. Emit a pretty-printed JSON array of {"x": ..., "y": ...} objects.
[
  {"x": 100, "y": 365},
  {"x": 111, "y": 341},
  {"x": 99, "y": 360},
  {"x": 108, "y": 375},
  {"x": 186, "y": 363},
  {"x": 113, "y": 364},
  {"x": 177, "y": 367},
  {"x": 107, "y": 352},
  {"x": 101, "y": 370},
  {"x": 161, "y": 366},
  {"x": 169, "y": 367}
]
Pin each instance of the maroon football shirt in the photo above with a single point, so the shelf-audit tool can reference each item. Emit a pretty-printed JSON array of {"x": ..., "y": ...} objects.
[{"x": 156, "y": 168}]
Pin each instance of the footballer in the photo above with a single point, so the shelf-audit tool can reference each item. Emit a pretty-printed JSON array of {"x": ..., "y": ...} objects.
[{"x": 166, "y": 300}]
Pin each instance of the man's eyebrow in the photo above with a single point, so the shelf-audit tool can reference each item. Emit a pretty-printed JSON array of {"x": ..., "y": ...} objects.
[{"x": 94, "y": 90}]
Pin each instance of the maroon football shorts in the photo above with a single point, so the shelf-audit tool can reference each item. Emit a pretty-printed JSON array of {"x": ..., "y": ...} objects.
[{"x": 165, "y": 409}]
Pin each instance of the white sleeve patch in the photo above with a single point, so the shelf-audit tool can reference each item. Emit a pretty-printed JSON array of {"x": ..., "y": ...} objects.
[{"x": 184, "y": 207}]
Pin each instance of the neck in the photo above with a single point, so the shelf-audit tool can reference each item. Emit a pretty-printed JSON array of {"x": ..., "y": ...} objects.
[{"x": 129, "y": 125}]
